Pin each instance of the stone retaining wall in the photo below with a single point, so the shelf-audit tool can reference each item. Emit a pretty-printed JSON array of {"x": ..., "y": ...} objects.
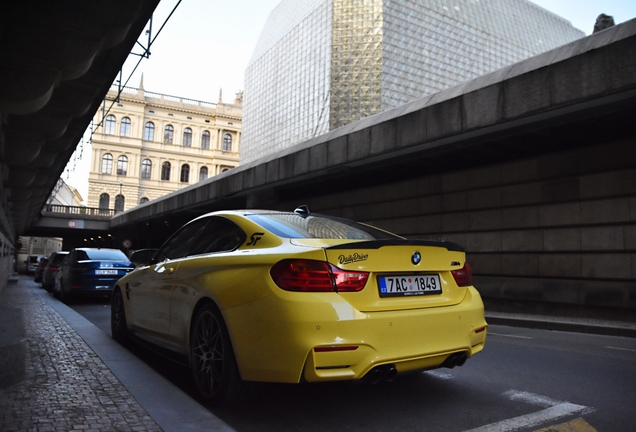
[{"x": 557, "y": 231}]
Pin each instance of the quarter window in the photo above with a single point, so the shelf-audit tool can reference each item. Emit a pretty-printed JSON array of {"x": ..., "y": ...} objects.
[
  {"x": 107, "y": 163},
  {"x": 149, "y": 132},
  {"x": 124, "y": 128},
  {"x": 207, "y": 235}
]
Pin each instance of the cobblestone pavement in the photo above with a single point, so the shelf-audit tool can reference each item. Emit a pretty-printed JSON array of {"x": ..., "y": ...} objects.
[{"x": 66, "y": 387}]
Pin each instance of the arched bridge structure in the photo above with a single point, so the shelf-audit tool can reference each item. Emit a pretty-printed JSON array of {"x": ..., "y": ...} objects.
[{"x": 531, "y": 168}]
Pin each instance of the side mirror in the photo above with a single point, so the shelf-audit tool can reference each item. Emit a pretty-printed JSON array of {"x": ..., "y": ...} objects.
[{"x": 143, "y": 257}]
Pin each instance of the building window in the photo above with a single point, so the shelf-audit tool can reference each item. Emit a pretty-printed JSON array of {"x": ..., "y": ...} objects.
[
  {"x": 143, "y": 200},
  {"x": 149, "y": 132},
  {"x": 107, "y": 163},
  {"x": 104, "y": 201},
  {"x": 185, "y": 173},
  {"x": 168, "y": 134},
  {"x": 227, "y": 142},
  {"x": 187, "y": 137},
  {"x": 205, "y": 140},
  {"x": 146, "y": 169},
  {"x": 119, "y": 203},
  {"x": 124, "y": 129},
  {"x": 122, "y": 165},
  {"x": 165, "y": 171},
  {"x": 109, "y": 128},
  {"x": 203, "y": 173}
]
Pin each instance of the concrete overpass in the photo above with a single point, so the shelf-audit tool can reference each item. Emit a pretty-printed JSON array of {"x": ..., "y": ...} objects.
[{"x": 532, "y": 168}]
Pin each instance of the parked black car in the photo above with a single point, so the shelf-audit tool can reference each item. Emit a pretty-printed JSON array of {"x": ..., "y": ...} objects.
[
  {"x": 90, "y": 272},
  {"x": 48, "y": 276}
]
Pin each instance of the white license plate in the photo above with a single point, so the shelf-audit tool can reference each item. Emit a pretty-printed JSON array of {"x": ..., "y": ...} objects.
[
  {"x": 409, "y": 285},
  {"x": 106, "y": 272}
]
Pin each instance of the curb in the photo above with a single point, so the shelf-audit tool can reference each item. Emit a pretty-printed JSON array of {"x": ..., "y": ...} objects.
[{"x": 564, "y": 324}]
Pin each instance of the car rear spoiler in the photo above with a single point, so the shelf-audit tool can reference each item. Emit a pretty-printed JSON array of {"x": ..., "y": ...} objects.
[{"x": 377, "y": 244}]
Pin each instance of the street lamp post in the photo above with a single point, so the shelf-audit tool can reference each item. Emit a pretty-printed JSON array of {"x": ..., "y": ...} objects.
[{"x": 119, "y": 198}]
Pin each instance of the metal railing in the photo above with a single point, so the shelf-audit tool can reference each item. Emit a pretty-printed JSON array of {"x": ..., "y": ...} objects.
[{"x": 78, "y": 211}]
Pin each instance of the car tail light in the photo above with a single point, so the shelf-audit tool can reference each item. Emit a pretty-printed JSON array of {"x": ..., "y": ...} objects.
[
  {"x": 52, "y": 269},
  {"x": 316, "y": 276},
  {"x": 463, "y": 277}
]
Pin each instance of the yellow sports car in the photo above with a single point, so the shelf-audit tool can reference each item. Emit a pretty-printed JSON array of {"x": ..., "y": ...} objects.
[{"x": 292, "y": 297}]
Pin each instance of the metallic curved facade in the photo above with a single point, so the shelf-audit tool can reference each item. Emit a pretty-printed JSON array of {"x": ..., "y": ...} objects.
[{"x": 321, "y": 64}]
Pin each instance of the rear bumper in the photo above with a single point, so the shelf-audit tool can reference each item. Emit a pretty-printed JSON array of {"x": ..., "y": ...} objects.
[
  {"x": 281, "y": 346},
  {"x": 421, "y": 339}
]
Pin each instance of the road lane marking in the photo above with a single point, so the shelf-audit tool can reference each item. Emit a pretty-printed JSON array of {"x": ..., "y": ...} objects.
[
  {"x": 440, "y": 375},
  {"x": 576, "y": 425},
  {"x": 508, "y": 335},
  {"x": 531, "y": 398},
  {"x": 556, "y": 410},
  {"x": 620, "y": 349}
]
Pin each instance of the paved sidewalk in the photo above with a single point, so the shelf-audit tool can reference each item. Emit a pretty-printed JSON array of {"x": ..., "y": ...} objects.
[{"x": 78, "y": 378}]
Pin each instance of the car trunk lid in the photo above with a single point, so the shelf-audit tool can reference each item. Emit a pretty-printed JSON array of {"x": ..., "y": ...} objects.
[{"x": 403, "y": 274}]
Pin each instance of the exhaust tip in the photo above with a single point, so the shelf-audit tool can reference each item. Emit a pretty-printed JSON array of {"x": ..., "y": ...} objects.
[
  {"x": 455, "y": 359},
  {"x": 391, "y": 373},
  {"x": 375, "y": 375},
  {"x": 385, "y": 373}
]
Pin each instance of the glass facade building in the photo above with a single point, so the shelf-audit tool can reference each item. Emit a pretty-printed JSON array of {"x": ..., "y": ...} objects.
[{"x": 321, "y": 64}]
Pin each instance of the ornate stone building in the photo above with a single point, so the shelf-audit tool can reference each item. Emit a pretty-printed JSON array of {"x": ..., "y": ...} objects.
[{"x": 147, "y": 145}]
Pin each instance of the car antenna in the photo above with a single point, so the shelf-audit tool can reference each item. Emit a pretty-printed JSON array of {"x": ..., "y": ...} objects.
[{"x": 302, "y": 210}]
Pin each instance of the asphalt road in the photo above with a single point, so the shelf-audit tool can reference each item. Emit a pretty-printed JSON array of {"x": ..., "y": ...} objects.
[{"x": 525, "y": 379}]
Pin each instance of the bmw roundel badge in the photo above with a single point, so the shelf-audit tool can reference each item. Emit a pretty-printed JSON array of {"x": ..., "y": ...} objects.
[{"x": 416, "y": 258}]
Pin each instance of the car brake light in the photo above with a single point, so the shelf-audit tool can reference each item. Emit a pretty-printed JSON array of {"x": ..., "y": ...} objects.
[
  {"x": 52, "y": 269},
  {"x": 463, "y": 277},
  {"x": 316, "y": 276}
]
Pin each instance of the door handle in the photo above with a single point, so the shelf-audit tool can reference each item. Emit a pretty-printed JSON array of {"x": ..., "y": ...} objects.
[{"x": 165, "y": 270}]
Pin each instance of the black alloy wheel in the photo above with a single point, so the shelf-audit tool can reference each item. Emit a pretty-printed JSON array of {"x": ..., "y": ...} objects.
[
  {"x": 212, "y": 358},
  {"x": 118, "y": 326},
  {"x": 64, "y": 297}
]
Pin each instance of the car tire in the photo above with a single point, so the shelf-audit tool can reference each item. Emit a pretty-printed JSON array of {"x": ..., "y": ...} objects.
[
  {"x": 64, "y": 297},
  {"x": 118, "y": 325},
  {"x": 212, "y": 359}
]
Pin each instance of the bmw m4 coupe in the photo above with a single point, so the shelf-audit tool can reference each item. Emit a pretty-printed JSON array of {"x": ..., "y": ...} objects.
[{"x": 291, "y": 297}]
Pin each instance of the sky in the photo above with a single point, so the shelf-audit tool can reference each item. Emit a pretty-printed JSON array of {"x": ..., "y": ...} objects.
[{"x": 205, "y": 47}]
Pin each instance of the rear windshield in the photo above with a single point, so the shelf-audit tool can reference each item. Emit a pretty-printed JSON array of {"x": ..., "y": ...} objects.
[
  {"x": 101, "y": 254},
  {"x": 291, "y": 225},
  {"x": 58, "y": 258}
]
